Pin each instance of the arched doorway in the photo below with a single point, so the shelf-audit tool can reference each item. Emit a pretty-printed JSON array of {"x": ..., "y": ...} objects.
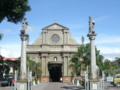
[{"x": 55, "y": 72}]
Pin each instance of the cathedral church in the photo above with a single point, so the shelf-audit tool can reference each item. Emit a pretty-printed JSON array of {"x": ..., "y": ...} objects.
[{"x": 54, "y": 49}]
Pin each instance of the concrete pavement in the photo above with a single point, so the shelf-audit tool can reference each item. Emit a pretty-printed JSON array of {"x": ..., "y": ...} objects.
[
  {"x": 57, "y": 86},
  {"x": 50, "y": 86},
  {"x": 61, "y": 86}
]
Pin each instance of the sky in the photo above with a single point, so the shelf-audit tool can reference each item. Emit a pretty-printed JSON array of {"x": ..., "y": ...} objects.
[{"x": 73, "y": 14}]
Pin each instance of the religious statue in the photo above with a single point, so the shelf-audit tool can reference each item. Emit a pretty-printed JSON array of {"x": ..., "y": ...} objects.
[
  {"x": 82, "y": 39},
  {"x": 91, "y": 25},
  {"x": 24, "y": 25}
]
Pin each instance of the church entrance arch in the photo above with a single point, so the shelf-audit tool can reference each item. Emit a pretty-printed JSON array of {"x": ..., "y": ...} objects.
[{"x": 55, "y": 72}]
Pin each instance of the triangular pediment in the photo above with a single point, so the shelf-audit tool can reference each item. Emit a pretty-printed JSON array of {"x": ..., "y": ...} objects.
[{"x": 55, "y": 26}]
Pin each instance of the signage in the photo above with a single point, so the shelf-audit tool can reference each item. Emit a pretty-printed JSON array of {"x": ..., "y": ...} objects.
[{"x": 110, "y": 79}]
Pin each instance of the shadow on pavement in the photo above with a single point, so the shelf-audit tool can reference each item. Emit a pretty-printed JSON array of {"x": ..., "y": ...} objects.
[{"x": 73, "y": 87}]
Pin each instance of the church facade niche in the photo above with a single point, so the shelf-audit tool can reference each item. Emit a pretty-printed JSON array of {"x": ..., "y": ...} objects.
[{"x": 54, "y": 49}]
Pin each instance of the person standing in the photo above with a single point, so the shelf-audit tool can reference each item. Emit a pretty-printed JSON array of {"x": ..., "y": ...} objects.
[{"x": 13, "y": 81}]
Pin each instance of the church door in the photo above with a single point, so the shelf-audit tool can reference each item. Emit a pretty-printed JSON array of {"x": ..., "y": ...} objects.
[{"x": 55, "y": 72}]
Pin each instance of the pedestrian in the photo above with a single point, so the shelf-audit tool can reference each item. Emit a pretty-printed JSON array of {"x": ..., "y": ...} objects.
[
  {"x": 13, "y": 81},
  {"x": 61, "y": 79}
]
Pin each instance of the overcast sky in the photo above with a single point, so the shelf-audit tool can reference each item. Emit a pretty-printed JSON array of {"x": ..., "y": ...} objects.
[{"x": 72, "y": 14}]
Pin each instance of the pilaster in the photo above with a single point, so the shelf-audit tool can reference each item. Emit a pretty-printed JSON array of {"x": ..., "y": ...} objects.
[
  {"x": 64, "y": 37},
  {"x": 47, "y": 72},
  {"x": 65, "y": 58},
  {"x": 43, "y": 66}
]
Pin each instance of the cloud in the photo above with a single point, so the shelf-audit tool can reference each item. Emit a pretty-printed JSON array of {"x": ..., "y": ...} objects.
[
  {"x": 4, "y": 53},
  {"x": 111, "y": 56},
  {"x": 109, "y": 50},
  {"x": 11, "y": 50},
  {"x": 6, "y": 31},
  {"x": 30, "y": 29},
  {"x": 109, "y": 45},
  {"x": 10, "y": 54},
  {"x": 102, "y": 18},
  {"x": 107, "y": 39}
]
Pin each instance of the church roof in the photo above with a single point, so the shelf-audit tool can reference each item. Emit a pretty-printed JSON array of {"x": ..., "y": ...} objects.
[
  {"x": 10, "y": 59},
  {"x": 63, "y": 27}
]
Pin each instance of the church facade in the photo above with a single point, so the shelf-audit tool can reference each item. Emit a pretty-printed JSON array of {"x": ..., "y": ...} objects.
[{"x": 54, "y": 49}]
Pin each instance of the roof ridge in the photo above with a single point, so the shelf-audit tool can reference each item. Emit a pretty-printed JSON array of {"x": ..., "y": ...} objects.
[{"x": 55, "y": 24}]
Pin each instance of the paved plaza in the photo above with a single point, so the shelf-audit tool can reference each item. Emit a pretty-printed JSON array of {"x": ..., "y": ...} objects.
[{"x": 60, "y": 86}]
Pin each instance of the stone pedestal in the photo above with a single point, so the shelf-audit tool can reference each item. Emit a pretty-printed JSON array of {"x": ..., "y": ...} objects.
[
  {"x": 94, "y": 85},
  {"x": 22, "y": 85}
]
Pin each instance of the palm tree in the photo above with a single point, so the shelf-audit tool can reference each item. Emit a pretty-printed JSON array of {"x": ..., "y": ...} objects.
[
  {"x": 38, "y": 70},
  {"x": 81, "y": 59},
  {"x": 35, "y": 67}
]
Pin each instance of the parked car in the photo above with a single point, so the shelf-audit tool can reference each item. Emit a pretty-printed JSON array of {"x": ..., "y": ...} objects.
[
  {"x": 9, "y": 78},
  {"x": 3, "y": 82},
  {"x": 116, "y": 80}
]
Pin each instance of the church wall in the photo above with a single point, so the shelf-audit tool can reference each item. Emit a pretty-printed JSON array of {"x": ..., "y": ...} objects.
[
  {"x": 45, "y": 50},
  {"x": 49, "y": 35}
]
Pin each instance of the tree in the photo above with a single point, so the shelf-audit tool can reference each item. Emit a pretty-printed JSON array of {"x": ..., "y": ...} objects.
[
  {"x": 13, "y": 10},
  {"x": 108, "y": 68},
  {"x": 81, "y": 59},
  {"x": 117, "y": 59},
  {"x": 4, "y": 68},
  {"x": 35, "y": 67},
  {"x": 38, "y": 70},
  {"x": 75, "y": 65}
]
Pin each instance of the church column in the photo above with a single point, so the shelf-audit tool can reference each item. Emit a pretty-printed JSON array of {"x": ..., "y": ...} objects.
[
  {"x": 44, "y": 37},
  {"x": 64, "y": 37},
  {"x": 67, "y": 37},
  {"x": 69, "y": 69},
  {"x": 44, "y": 77},
  {"x": 66, "y": 77},
  {"x": 43, "y": 66},
  {"x": 47, "y": 72},
  {"x": 65, "y": 65}
]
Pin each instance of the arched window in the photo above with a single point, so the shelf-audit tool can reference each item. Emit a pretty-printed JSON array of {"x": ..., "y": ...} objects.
[
  {"x": 55, "y": 58},
  {"x": 34, "y": 59}
]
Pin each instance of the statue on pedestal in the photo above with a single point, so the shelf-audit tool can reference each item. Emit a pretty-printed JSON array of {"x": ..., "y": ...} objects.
[
  {"x": 24, "y": 26},
  {"x": 91, "y": 25}
]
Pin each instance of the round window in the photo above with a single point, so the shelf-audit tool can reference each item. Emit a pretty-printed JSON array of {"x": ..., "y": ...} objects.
[{"x": 55, "y": 38}]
